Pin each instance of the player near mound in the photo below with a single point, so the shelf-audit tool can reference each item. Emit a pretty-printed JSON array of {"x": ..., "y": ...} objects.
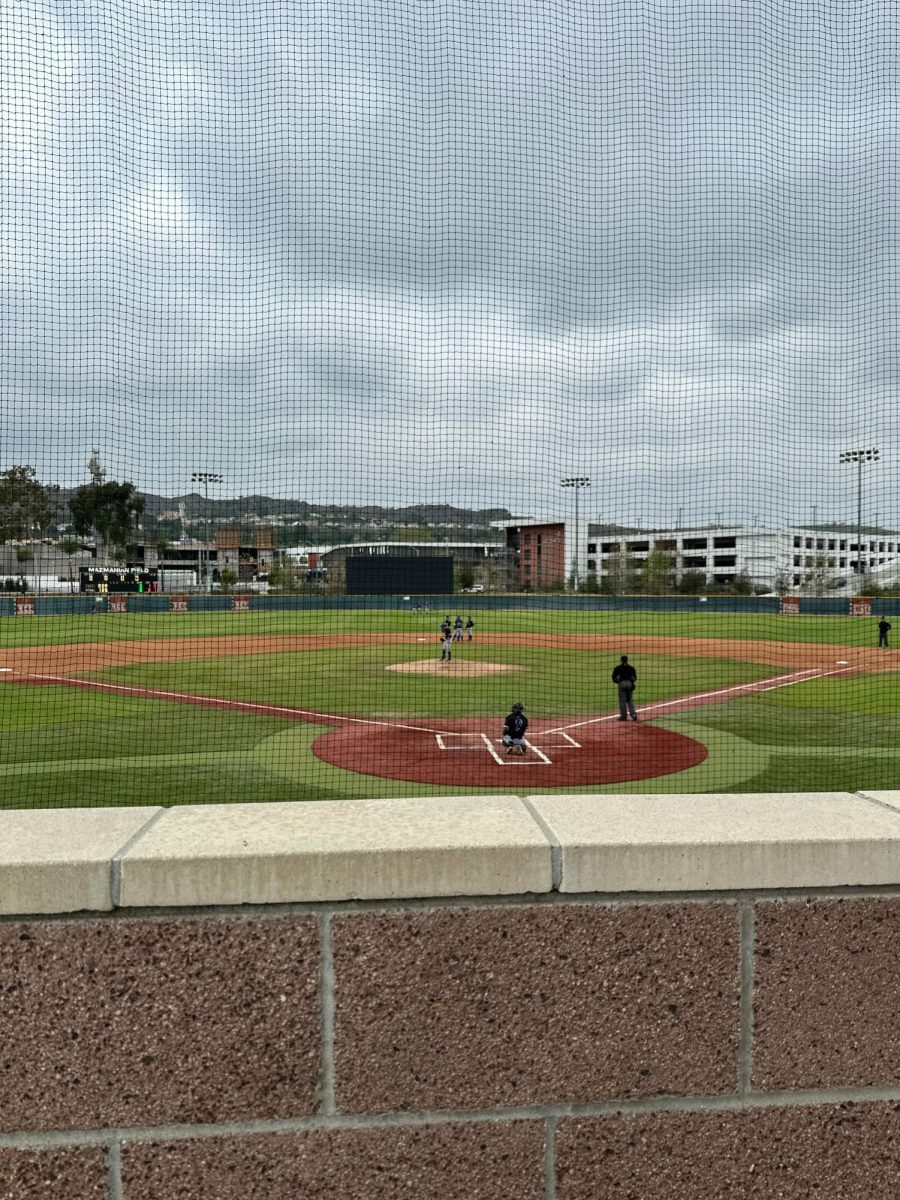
[{"x": 514, "y": 730}]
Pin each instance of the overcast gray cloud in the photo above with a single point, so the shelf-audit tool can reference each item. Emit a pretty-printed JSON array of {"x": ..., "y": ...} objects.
[{"x": 400, "y": 252}]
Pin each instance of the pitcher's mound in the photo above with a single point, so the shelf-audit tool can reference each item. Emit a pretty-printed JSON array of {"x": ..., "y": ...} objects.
[{"x": 434, "y": 666}]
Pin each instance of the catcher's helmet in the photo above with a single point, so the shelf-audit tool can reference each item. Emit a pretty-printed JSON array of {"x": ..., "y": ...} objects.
[{"x": 518, "y": 707}]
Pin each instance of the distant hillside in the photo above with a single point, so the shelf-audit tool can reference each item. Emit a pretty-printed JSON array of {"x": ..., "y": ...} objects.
[{"x": 298, "y": 521}]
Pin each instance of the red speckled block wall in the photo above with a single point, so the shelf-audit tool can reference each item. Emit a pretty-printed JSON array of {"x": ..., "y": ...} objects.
[
  {"x": 366, "y": 1053},
  {"x": 57, "y": 1173},
  {"x": 828, "y": 1152},
  {"x": 826, "y": 994},
  {"x": 434, "y": 1009},
  {"x": 502, "y": 1161},
  {"x": 149, "y": 1021}
]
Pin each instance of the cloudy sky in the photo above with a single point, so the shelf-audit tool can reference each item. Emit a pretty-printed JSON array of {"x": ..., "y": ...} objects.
[{"x": 444, "y": 251}]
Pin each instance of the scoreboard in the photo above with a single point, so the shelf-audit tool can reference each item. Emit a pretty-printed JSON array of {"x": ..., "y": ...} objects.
[
  {"x": 397, "y": 574},
  {"x": 104, "y": 582}
]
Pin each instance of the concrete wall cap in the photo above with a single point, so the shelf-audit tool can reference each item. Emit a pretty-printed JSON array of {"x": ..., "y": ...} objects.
[
  {"x": 615, "y": 843},
  {"x": 67, "y": 860},
  {"x": 328, "y": 850},
  {"x": 59, "y": 860}
]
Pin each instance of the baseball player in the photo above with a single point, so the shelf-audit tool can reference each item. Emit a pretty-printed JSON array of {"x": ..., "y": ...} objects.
[
  {"x": 457, "y": 629},
  {"x": 446, "y": 646},
  {"x": 514, "y": 730},
  {"x": 470, "y": 625},
  {"x": 884, "y": 628}
]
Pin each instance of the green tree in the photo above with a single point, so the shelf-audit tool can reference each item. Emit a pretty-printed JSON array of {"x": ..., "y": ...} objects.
[
  {"x": 227, "y": 579},
  {"x": 26, "y": 504},
  {"x": 816, "y": 577},
  {"x": 109, "y": 509},
  {"x": 692, "y": 583},
  {"x": 742, "y": 584},
  {"x": 69, "y": 547},
  {"x": 656, "y": 575},
  {"x": 465, "y": 579},
  {"x": 590, "y": 584},
  {"x": 621, "y": 573},
  {"x": 283, "y": 578}
]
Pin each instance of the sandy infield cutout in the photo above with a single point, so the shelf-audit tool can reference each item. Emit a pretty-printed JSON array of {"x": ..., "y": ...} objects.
[{"x": 434, "y": 666}]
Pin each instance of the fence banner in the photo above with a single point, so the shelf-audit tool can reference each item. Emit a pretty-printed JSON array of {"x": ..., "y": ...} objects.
[
  {"x": 240, "y": 603},
  {"x": 860, "y": 606},
  {"x": 178, "y": 604},
  {"x": 24, "y": 606},
  {"x": 117, "y": 602},
  {"x": 790, "y": 606}
]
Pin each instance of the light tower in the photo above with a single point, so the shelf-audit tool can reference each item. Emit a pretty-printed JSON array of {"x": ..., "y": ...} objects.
[
  {"x": 576, "y": 482},
  {"x": 206, "y": 478},
  {"x": 859, "y": 457}
]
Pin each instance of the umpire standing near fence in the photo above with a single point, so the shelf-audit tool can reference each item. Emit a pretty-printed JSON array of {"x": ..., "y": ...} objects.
[{"x": 625, "y": 677}]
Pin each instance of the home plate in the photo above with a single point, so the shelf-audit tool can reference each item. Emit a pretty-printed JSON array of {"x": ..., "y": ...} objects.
[
  {"x": 842, "y": 662},
  {"x": 6, "y": 669}
]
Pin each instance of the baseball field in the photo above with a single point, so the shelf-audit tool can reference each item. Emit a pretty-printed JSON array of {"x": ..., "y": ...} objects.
[{"x": 271, "y": 706}]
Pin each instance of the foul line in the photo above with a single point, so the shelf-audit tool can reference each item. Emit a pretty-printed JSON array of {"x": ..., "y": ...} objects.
[
  {"x": 273, "y": 710},
  {"x": 490, "y": 745},
  {"x": 268, "y": 710},
  {"x": 698, "y": 698}
]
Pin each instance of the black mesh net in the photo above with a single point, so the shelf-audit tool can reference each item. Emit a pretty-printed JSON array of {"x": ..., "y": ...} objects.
[{"x": 571, "y": 324}]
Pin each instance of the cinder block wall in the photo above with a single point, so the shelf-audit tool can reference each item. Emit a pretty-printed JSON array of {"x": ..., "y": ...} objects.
[{"x": 488, "y": 1040}]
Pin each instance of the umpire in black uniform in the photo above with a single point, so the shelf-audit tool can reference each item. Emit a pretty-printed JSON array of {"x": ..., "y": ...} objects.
[{"x": 625, "y": 676}]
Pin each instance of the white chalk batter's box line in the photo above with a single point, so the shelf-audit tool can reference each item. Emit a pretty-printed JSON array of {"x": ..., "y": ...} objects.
[{"x": 481, "y": 742}]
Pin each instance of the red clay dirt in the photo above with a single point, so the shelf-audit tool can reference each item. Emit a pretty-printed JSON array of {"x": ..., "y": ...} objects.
[
  {"x": 454, "y": 753},
  {"x": 603, "y": 753},
  {"x": 77, "y": 658}
]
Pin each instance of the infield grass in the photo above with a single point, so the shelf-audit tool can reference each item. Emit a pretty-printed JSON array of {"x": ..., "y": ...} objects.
[{"x": 356, "y": 680}]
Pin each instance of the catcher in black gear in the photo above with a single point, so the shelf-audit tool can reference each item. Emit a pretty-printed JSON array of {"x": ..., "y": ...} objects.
[{"x": 514, "y": 730}]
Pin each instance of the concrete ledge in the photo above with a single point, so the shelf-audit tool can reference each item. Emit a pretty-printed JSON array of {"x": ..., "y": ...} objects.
[
  {"x": 327, "y": 850},
  {"x": 666, "y": 843},
  {"x": 68, "y": 860},
  {"x": 60, "y": 860}
]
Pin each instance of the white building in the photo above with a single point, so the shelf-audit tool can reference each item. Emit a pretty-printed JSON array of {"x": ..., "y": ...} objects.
[{"x": 810, "y": 559}]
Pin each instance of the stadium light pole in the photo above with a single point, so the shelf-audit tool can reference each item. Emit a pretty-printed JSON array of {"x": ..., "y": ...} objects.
[
  {"x": 206, "y": 478},
  {"x": 859, "y": 457},
  {"x": 577, "y": 482}
]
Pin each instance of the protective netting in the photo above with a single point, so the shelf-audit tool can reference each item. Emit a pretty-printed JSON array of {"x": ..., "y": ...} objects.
[{"x": 323, "y": 322}]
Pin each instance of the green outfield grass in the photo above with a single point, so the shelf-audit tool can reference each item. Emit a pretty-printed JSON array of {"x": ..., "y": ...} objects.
[
  {"x": 48, "y": 631},
  {"x": 60, "y": 746}
]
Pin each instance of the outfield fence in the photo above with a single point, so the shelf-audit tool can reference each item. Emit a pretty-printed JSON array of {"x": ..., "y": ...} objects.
[{"x": 82, "y": 605}]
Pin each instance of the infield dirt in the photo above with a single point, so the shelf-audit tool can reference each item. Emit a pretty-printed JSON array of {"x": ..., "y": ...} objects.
[{"x": 74, "y": 659}]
